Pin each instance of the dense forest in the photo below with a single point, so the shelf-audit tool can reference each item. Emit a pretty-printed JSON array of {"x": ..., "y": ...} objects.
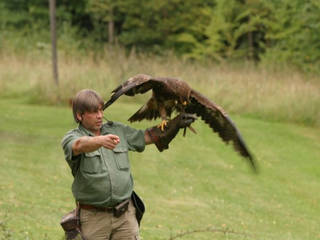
[{"x": 280, "y": 32}]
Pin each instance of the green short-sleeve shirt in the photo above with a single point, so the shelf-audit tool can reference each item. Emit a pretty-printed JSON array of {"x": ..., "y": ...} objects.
[{"x": 103, "y": 177}]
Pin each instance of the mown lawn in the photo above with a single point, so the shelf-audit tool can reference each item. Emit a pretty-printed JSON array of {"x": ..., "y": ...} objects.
[{"x": 198, "y": 184}]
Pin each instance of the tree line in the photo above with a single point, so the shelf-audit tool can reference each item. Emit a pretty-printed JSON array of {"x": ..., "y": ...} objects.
[{"x": 275, "y": 31}]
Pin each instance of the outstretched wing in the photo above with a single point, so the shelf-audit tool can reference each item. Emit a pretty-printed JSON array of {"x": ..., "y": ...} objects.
[
  {"x": 140, "y": 83},
  {"x": 219, "y": 121}
]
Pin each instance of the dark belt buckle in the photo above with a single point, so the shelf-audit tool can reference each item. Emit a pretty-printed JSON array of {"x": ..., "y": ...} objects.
[{"x": 121, "y": 208}]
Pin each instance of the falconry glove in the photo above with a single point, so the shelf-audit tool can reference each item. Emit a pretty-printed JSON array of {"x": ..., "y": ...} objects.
[{"x": 162, "y": 138}]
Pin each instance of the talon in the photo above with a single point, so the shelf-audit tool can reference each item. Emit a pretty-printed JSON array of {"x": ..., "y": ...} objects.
[{"x": 162, "y": 125}]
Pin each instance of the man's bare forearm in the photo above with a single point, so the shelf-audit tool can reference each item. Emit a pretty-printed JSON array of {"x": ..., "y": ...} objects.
[
  {"x": 89, "y": 144},
  {"x": 85, "y": 144}
]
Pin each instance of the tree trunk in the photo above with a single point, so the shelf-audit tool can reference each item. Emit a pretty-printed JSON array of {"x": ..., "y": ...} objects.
[
  {"x": 52, "y": 4},
  {"x": 111, "y": 27},
  {"x": 251, "y": 48}
]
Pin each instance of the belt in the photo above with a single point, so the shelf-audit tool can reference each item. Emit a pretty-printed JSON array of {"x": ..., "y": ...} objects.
[
  {"x": 117, "y": 210},
  {"x": 91, "y": 207}
]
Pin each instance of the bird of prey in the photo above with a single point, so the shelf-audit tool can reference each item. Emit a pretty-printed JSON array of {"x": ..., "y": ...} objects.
[{"x": 171, "y": 94}]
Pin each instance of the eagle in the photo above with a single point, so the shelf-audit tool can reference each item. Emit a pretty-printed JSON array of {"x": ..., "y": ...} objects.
[{"x": 174, "y": 95}]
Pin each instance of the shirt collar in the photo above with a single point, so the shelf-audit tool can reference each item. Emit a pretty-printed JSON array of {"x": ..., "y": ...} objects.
[
  {"x": 86, "y": 131},
  {"x": 105, "y": 129}
]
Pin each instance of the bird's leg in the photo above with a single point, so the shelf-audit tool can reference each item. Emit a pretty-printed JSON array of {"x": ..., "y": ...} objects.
[
  {"x": 164, "y": 121},
  {"x": 191, "y": 129},
  {"x": 185, "y": 103}
]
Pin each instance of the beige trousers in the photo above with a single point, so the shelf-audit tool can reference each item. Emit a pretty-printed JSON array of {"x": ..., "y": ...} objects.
[{"x": 100, "y": 225}]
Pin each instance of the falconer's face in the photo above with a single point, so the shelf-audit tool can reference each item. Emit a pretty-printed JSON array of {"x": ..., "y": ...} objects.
[{"x": 92, "y": 120}]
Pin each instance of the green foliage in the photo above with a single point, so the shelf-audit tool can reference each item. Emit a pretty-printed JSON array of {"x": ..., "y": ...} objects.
[
  {"x": 293, "y": 34},
  {"x": 102, "y": 13},
  {"x": 169, "y": 24},
  {"x": 19, "y": 14},
  {"x": 271, "y": 32},
  {"x": 236, "y": 31}
]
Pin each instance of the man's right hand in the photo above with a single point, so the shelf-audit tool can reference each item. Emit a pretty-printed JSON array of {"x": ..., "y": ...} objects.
[{"x": 109, "y": 141}]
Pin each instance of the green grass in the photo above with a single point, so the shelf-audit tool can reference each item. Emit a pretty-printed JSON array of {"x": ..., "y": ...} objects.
[{"x": 198, "y": 183}]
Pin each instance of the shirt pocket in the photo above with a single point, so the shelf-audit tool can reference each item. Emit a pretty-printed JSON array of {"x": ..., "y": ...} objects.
[
  {"x": 92, "y": 162},
  {"x": 121, "y": 157}
]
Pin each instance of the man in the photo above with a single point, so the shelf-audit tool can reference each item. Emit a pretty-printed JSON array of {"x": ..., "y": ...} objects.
[{"x": 97, "y": 154}]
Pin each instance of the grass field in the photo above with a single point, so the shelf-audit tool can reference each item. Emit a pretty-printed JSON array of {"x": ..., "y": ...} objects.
[{"x": 198, "y": 184}]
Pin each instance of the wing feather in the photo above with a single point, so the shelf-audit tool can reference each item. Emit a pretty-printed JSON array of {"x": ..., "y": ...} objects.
[
  {"x": 138, "y": 84},
  {"x": 220, "y": 123},
  {"x": 148, "y": 111}
]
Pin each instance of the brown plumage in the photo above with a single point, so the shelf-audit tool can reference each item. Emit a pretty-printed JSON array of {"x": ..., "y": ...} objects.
[{"x": 171, "y": 94}]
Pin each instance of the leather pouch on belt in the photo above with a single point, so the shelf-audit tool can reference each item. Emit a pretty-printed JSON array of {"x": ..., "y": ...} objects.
[
  {"x": 121, "y": 208},
  {"x": 71, "y": 225}
]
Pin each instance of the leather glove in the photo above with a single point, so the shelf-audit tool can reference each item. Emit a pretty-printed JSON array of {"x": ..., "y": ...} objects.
[{"x": 162, "y": 138}]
